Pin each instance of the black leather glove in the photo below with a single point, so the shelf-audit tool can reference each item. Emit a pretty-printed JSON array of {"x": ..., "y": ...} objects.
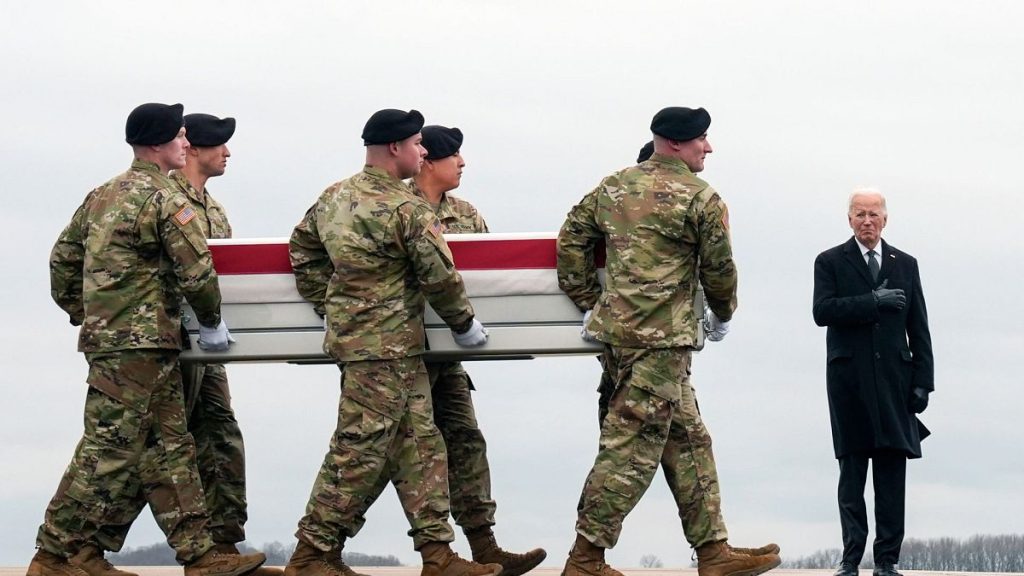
[
  {"x": 889, "y": 298},
  {"x": 918, "y": 400}
]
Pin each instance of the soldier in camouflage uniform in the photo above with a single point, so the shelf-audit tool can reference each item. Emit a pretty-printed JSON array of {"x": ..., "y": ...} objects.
[
  {"x": 664, "y": 230},
  {"x": 469, "y": 475},
  {"x": 211, "y": 420},
  {"x": 368, "y": 255},
  {"x": 120, "y": 269}
]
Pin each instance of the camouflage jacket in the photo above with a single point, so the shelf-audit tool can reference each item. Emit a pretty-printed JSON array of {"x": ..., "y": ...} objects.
[
  {"x": 210, "y": 214},
  {"x": 664, "y": 230},
  {"x": 366, "y": 254},
  {"x": 456, "y": 215},
  {"x": 120, "y": 268}
]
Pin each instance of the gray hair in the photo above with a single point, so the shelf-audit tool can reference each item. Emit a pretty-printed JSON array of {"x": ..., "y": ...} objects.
[{"x": 866, "y": 191}]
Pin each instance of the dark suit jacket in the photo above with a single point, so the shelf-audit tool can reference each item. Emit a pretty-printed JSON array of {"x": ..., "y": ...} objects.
[{"x": 875, "y": 358}]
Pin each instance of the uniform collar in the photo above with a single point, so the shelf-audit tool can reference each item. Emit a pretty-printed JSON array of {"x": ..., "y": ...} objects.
[
  {"x": 190, "y": 190},
  {"x": 670, "y": 162},
  {"x": 381, "y": 174},
  {"x": 147, "y": 166}
]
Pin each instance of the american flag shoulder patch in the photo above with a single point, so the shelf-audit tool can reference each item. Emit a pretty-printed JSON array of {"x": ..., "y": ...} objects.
[
  {"x": 185, "y": 215},
  {"x": 436, "y": 228}
]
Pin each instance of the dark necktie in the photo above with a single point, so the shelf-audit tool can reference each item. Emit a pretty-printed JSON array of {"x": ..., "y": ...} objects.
[{"x": 873, "y": 265}]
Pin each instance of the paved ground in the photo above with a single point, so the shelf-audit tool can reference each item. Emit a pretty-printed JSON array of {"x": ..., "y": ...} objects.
[{"x": 415, "y": 571}]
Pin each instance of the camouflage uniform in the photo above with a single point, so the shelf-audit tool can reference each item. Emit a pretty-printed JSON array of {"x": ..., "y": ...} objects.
[
  {"x": 211, "y": 421},
  {"x": 120, "y": 269},
  {"x": 665, "y": 230},
  {"x": 469, "y": 475},
  {"x": 365, "y": 255}
]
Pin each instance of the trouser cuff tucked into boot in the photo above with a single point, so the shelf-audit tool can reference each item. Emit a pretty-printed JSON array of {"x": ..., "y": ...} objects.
[
  {"x": 586, "y": 559},
  {"x": 91, "y": 559}
]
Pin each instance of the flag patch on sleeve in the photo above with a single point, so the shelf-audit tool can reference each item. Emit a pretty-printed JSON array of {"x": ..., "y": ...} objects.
[
  {"x": 436, "y": 228},
  {"x": 185, "y": 215}
]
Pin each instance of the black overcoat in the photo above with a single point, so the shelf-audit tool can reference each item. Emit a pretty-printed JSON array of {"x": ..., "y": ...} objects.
[{"x": 875, "y": 358}]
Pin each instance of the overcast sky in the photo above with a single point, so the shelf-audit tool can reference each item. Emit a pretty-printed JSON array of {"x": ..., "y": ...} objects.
[{"x": 923, "y": 99}]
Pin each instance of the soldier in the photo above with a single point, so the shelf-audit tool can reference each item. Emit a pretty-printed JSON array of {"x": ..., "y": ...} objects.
[
  {"x": 646, "y": 151},
  {"x": 119, "y": 269},
  {"x": 368, "y": 255},
  {"x": 211, "y": 420},
  {"x": 469, "y": 475},
  {"x": 664, "y": 230}
]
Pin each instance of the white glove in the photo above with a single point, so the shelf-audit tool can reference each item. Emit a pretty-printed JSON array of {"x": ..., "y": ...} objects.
[
  {"x": 475, "y": 336},
  {"x": 587, "y": 337},
  {"x": 215, "y": 339},
  {"x": 714, "y": 329}
]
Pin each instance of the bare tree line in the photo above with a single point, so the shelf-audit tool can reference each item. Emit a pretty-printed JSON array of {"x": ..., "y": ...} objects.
[
  {"x": 160, "y": 554},
  {"x": 979, "y": 553}
]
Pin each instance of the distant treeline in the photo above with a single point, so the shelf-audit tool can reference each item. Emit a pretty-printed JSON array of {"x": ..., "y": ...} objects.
[
  {"x": 161, "y": 554},
  {"x": 980, "y": 553}
]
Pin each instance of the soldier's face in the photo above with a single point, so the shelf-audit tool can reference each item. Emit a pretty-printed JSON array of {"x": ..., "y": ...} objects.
[
  {"x": 448, "y": 170},
  {"x": 409, "y": 155},
  {"x": 692, "y": 152},
  {"x": 172, "y": 154},
  {"x": 867, "y": 219},
  {"x": 211, "y": 160}
]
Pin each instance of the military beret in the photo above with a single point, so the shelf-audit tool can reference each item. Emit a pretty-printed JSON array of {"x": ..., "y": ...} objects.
[
  {"x": 208, "y": 130},
  {"x": 645, "y": 152},
  {"x": 441, "y": 142},
  {"x": 153, "y": 123},
  {"x": 390, "y": 125},
  {"x": 681, "y": 124}
]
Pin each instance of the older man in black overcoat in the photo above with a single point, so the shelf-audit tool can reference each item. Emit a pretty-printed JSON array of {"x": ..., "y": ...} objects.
[{"x": 879, "y": 375}]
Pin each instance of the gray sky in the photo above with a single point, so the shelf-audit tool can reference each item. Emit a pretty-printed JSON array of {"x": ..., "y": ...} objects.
[{"x": 808, "y": 99}]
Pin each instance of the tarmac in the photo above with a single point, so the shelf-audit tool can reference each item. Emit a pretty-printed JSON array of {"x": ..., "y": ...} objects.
[{"x": 415, "y": 571}]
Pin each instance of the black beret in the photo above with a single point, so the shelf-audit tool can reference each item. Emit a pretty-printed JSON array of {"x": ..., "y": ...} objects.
[
  {"x": 153, "y": 123},
  {"x": 645, "y": 152},
  {"x": 390, "y": 125},
  {"x": 681, "y": 124},
  {"x": 441, "y": 142},
  {"x": 208, "y": 130}
]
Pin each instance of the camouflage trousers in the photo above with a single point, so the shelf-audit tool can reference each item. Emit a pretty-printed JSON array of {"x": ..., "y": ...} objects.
[
  {"x": 469, "y": 475},
  {"x": 385, "y": 431},
  {"x": 652, "y": 419},
  {"x": 220, "y": 455},
  {"x": 135, "y": 439}
]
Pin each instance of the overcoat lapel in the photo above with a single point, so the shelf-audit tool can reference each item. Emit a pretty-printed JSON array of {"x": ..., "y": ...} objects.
[
  {"x": 853, "y": 257},
  {"x": 889, "y": 261}
]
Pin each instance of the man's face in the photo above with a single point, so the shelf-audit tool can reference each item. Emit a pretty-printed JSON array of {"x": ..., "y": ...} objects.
[
  {"x": 172, "y": 154},
  {"x": 448, "y": 170},
  {"x": 211, "y": 160},
  {"x": 692, "y": 152},
  {"x": 867, "y": 219},
  {"x": 409, "y": 156}
]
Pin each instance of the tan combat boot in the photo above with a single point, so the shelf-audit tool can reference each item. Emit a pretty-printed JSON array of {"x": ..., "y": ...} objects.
[
  {"x": 719, "y": 559},
  {"x": 771, "y": 548},
  {"x": 230, "y": 549},
  {"x": 439, "y": 560},
  {"x": 215, "y": 563},
  {"x": 307, "y": 560},
  {"x": 486, "y": 551},
  {"x": 585, "y": 559},
  {"x": 91, "y": 560},
  {"x": 47, "y": 564}
]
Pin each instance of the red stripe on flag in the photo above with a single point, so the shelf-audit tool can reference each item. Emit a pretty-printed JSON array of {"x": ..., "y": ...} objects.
[{"x": 468, "y": 254}]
